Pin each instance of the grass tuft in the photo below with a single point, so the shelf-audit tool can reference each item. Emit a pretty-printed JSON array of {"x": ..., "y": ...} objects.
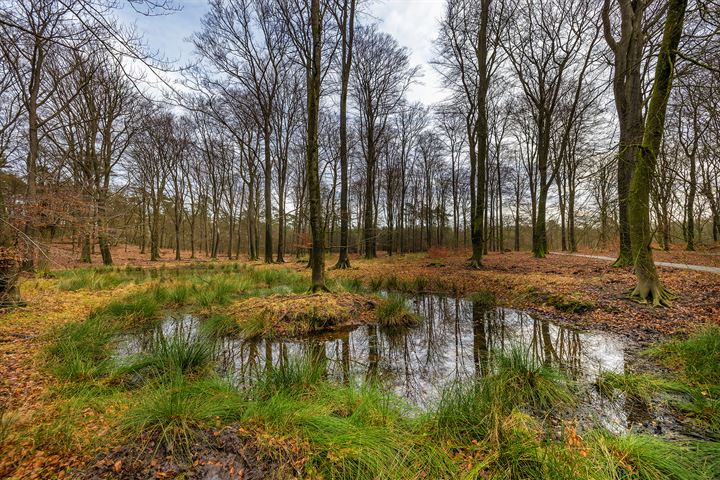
[
  {"x": 483, "y": 299},
  {"x": 477, "y": 409},
  {"x": 181, "y": 355},
  {"x": 174, "y": 412},
  {"x": 636, "y": 385},
  {"x": 393, "y": 312},
  {"x": 698, "y": 355},
  {"x": 643, "y": 457}
]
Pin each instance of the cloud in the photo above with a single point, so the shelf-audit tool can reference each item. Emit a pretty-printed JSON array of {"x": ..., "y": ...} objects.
[{"x": 413, "y": 23}]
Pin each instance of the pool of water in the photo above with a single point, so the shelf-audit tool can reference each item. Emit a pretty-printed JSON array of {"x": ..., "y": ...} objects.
[{"x": 456, "y": 340}]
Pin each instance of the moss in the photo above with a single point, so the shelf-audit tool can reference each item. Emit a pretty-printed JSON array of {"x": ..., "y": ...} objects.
[{"x": 564, "y": 303}]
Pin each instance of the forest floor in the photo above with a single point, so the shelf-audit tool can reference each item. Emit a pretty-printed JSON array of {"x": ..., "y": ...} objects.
[
  {"x": 60, "y": 405},
  {"x": 560, "y": 286}
]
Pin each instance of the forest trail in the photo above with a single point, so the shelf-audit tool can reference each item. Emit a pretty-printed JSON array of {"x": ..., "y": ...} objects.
[{"x": 682, "y": 266}]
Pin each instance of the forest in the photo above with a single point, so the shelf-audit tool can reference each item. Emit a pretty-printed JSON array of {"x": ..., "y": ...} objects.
[{"x": 328, "y": 241}]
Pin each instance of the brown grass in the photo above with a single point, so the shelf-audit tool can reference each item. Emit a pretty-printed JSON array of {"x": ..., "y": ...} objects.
[{"x": 298, "y": 314}]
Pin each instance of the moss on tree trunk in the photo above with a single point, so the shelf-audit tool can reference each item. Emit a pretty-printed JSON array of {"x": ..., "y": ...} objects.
[{"x": 648, "y": 288}]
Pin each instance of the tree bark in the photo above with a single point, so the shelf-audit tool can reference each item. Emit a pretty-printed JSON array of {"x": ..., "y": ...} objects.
[
  {"x": 317, "y": 257},
  {"x": 347, "y": 36},
  {"x": 648, "y": 288}
]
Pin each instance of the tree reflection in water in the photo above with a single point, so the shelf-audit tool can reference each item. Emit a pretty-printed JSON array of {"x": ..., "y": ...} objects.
[{"x": 455, "y": 340}]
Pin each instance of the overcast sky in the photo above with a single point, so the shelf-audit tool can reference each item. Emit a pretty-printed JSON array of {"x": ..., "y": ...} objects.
[{"x": 412, "y": 22}]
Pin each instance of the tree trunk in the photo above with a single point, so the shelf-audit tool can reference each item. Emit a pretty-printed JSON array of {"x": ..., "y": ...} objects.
[
  {"x": 348, "y": 34},
  {"x": 481, "y": 139},
  {"x": 317, "y": 256},
  {"x": 648, "y": 288},
  {"x": 268, "y": 192}
]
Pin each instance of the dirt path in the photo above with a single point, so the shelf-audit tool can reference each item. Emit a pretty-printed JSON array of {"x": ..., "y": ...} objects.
[{"x": 682, "y": 266}]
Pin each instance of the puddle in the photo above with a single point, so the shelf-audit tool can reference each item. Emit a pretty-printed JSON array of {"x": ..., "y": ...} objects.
[{"x": 455, "y": 341}]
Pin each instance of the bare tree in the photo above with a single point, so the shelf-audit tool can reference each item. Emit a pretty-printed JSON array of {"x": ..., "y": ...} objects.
[
  {"x": 648, "y": 288},
  {"x": 381, "y": 76},
  {"x": 244, "y": 41}
]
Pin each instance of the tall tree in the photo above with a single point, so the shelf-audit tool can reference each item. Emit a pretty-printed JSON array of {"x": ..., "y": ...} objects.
[
  {"x": 382, "y": 75},
  {"x": 244, "y": 40},
  {"x": 314, "y": 71},
  {"x": 648, "y": 288},
  {"x": 345, "y": 17}
]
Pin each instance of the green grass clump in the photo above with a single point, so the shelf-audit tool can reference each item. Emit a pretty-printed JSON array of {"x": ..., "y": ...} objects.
[
  {"x": 697, "y": 358},
  {"x": 351, "y": 431},
  {"x": 80, "y": 350},
  {"x": 476, "y": 410},
  {"x": 393, "y": 312},
  {"x": 703, "y": 410},
  {"x": 273, "y": 277},
  {"x": 419, "y": 284},
  {"x": 174, "y": 412},
  {"x": 643, "y": 457},
  {"x": 178, "y": 295},
  {"x": 93, "y": 279},
  {"x": 708, "y": 458},
  {"x": 136, "y": 309},
  {"x": 518, "y": 453},
  {"x": 483, "y": 299},
  {"x": 698, "y": 355},
  {"x": 294, "y": 378},
  {"x": 218, "y": 325},
  {"x": 254, "y": 326},
  {"x": 539, "y": 386},
  {"x": 177, "y": 355},
  {"x": 636, "y": 385},
  {"x": 352, "y": 285},
  {"x": 217, "y": 291},
  {"x": 375, "y": 284}
]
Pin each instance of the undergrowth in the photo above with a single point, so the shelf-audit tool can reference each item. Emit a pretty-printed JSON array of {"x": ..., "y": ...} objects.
[{"x": 494, "y": 426}]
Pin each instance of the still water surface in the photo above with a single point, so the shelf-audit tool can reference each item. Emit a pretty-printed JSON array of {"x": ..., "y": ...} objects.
[{"x": 456, "y": 340}]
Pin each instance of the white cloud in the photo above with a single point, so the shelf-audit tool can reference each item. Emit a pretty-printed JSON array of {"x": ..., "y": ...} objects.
[{"x": 413, "y": 23}]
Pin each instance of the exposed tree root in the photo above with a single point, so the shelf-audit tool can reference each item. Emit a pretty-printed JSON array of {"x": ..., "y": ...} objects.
[
  {"x": 474, "y": 263},
  {"x": 342, "y": 264},
  {"x": 623, "y": 260},
  {"x": 319, "y": 288},
  {"x": 648, "y": 292}
]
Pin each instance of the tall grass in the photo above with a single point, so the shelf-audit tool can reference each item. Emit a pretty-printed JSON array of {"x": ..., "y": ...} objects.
[
  {"x": 73, "y": 280},
  {"x": 351, "y": 431},
  {"x": 134, "y": 310},
  {"x": 698, "y": 355},
  {"x": 172, "y": 356},
  {"x": 636, "y": 385},
  {"x": 80, "y": 350},
  {"x": 643, "y": 457},
  {"x": 476, "y": 409},
  {"x": 174, "y": 412}
]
